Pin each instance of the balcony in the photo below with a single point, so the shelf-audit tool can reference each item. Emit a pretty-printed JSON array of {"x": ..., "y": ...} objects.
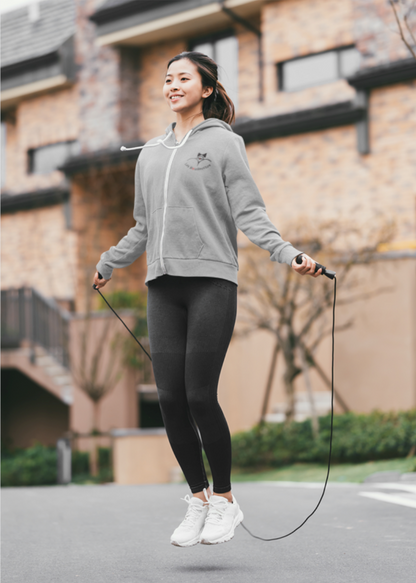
[{"x": 138, "y": 23}]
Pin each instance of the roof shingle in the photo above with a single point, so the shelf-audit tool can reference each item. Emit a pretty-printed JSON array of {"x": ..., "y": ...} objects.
[{"x": 22, "y": 39}]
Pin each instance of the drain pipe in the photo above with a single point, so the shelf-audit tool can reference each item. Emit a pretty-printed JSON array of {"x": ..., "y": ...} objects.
[{"x": 257, "y": 32}]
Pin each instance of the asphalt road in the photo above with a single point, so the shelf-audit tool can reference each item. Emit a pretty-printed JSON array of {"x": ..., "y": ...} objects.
[{"x": 120, "y": 534}]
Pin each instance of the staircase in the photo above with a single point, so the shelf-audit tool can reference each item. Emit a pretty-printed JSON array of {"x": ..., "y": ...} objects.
[
  {"x": 35, "y": 339},
  {"x": 58, "y": 373}
]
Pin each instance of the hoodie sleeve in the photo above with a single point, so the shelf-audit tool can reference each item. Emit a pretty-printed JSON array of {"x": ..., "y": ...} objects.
[
  {"x": 247, "y": 205},
  {"x": 132, "y": 245}
]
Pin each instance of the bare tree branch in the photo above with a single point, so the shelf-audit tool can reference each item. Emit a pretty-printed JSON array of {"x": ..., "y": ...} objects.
[
  {"x": 293, "y": 308},
  {"x": 401, "y": 32}
]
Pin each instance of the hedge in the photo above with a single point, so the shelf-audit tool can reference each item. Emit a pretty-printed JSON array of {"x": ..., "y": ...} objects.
[
  {"x": 356, "y": 438},
  {"x": 37, "y": 466},
  {"x": 34, "y": 466}
]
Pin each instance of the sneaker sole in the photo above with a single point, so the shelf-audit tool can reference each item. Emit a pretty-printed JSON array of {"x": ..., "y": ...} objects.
[
  {"x": 188, "y": 544},
  {"x": 225, "y": 538}
]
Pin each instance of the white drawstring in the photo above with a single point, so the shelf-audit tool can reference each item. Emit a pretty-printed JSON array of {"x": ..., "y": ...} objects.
[
  {"x": 180, "y": 145},
  {"x": 123, "y": 148}
]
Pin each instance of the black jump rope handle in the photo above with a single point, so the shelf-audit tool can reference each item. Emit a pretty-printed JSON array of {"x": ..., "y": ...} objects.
[
  {"x": 325, "y": 271},
  {"x": 99, "y": 277}
]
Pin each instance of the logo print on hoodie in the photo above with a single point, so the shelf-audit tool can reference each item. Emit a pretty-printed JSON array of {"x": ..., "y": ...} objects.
[{"x": 201, "y": 162}]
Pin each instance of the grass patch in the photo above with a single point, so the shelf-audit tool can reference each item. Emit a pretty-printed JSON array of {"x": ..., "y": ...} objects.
[{"x": 311, "y": 472}]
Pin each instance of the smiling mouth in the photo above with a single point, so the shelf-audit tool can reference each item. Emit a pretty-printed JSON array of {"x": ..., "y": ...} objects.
[{"x": 175, "y": 97}]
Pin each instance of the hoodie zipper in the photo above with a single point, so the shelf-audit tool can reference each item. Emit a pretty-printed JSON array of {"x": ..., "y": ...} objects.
[{"x": 162, "y": 263}]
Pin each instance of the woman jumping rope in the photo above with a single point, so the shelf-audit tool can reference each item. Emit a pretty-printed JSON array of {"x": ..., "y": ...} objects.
[{"x": 193, "y": 191}]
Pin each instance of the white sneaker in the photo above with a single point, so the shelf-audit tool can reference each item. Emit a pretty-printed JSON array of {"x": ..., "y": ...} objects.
[
  {"x": 188, "y": 532},
  {"x": 222, "y": 518}
]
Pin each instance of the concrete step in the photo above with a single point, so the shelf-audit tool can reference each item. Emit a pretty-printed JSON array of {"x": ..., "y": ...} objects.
[
  {"x": 62, "y": 380},
  {"x": 54, "y": 369},
  {"x": 45, "y": 360}
]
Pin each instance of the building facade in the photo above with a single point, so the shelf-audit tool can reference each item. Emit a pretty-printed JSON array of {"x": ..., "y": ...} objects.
[{"x": 325, "y": 97}]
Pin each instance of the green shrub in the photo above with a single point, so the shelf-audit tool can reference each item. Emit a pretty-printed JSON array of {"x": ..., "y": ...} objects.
[
  {"x": 80, "y": 462},
  {"x": 104, "y": 458},
  {"x": 37, "y": 466},
  {"x": 34, "y": 466},
  {"x": 105, "y": 465},
  {"x": 356, "y": 438}
]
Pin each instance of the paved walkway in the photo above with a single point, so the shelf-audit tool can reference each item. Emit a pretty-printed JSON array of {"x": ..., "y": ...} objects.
[{"x": 120, "y": 534}]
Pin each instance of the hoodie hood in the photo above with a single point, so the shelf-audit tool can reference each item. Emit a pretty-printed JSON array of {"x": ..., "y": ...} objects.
[{"x": 211, "y": 122}]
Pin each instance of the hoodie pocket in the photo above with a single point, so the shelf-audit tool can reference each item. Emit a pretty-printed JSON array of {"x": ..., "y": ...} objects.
[{"x": 181, "y": 239}]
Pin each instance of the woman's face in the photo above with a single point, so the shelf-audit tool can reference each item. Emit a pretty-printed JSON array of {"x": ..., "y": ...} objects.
[{"x": 184, "y": 81}]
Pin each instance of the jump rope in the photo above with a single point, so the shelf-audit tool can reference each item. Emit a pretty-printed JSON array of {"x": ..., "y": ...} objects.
[{"x": 330, "y": 275}]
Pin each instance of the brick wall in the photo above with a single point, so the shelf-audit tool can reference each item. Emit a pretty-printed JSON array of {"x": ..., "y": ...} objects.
[
  {"x": 39, "y": 121},
  {"x": 376, "y": 32},
  {"x": 323, "y": 174},
  {"x": 107, "y": 103},
  {"x": 39, "y": 251},
  {"x": 102, "y": 213}
]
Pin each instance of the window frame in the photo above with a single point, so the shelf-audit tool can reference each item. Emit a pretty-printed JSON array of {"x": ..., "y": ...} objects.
[
  {"x": 280, "y": 66},
  {"x": 213, "y": 38},
  {"x": 31, "y": 155}
]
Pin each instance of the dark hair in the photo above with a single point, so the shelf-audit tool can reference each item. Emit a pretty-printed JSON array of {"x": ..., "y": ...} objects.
[{"x": 218, "y": 104}]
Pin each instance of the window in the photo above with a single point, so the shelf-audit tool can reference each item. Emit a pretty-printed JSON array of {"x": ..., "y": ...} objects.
[
  {"x": 3, "y": 153},
  {"x": 47, "y": 158},
  {"x": 224, "y": 50},
  {"x": 317, "y": 69}
]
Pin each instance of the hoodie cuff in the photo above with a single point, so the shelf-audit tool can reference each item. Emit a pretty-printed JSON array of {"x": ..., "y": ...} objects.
[
  {"x": 287, "y": 255},
  {"x": 106, "y": 272}
]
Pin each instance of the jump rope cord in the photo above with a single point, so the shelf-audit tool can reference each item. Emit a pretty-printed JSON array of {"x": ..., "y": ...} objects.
[
  {"x": 330, "y": 437},
  {"x": 141, "y": 346},
  {"x": 332, "y": 413}
]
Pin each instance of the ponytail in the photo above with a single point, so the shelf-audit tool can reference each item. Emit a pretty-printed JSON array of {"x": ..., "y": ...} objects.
[{"x": 219, "y": 104}]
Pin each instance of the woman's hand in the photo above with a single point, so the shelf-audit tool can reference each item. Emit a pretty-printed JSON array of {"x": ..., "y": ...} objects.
[
  {"x": 307, "y": 267},
  {"x": 99, "y": 282}
]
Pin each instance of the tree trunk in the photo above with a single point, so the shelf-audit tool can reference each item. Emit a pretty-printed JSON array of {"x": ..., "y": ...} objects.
[
  {"x": 95, "y": 428},
  {"x": 269, "y": 383},
  {"x": 291, "y": 373},
  {"x": 326, "y": 380},
  {"x": 96, "y": 416},
  {"x": 93, "y": 456},
  {"x": 305, "y": 369}
]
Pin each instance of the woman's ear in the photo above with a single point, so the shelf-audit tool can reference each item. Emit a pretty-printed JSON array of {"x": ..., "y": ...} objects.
[{"x": 207, "y": 92}]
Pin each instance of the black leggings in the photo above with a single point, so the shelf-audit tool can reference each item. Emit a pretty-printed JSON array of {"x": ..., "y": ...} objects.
[{"x": 191, "y": 321}]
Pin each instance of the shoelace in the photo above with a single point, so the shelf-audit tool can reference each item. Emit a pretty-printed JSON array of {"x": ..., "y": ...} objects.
[
  {"x": 193, "y": 511},
  {"x": 216, "y": 511}
]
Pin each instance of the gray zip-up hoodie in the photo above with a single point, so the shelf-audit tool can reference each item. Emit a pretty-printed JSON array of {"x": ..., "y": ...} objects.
[{"x": 190, "y": 200}]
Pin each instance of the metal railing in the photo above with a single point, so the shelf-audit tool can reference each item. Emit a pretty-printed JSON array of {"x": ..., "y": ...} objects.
[{"x": 28, "y": 315}]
